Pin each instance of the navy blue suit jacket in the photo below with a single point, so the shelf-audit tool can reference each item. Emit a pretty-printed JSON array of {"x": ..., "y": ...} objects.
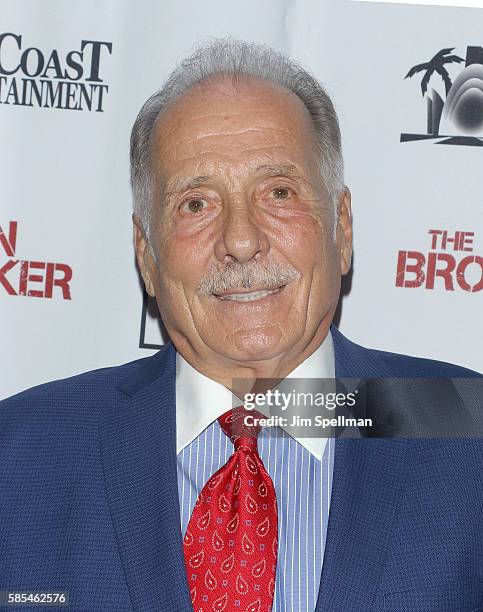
[{"x": 89, "y": 499}]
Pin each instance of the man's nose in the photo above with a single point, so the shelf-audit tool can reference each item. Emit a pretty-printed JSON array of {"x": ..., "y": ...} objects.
[{"x": 241, "y": 238}]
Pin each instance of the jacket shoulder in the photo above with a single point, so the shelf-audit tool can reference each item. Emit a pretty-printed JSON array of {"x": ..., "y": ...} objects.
[
  {"x": 410, "y": 366},
  {"x": 78, "y": 392},
  {"x": 371, "y": 362},
  {"x": 56, "y": 423}
]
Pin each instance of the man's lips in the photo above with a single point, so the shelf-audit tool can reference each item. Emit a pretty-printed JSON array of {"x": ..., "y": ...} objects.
[{"x": 248, "y": 295}]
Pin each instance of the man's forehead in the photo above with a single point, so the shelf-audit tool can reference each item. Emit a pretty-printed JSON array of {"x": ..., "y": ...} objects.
[
  {"x": 234, "y": 109},
  {"x": 235, "y": 89},
  {"x": 235, "y": 137},
  {"x": 178, "y": 183}
]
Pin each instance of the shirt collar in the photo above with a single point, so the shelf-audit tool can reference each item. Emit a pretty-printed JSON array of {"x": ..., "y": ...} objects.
[{"x": 201, "y": 400}]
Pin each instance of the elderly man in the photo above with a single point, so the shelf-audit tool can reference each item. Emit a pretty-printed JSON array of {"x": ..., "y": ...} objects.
[{"x": 129, "y": 488}]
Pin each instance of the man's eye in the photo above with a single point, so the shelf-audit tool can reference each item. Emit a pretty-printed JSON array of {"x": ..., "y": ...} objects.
[
  {"x": 195, "y": 205},
  {"x": 281, "y": 193}
]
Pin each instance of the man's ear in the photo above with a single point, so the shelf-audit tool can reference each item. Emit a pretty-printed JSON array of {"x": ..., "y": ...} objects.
[
  {"x": 143, "y": 255},
  {"x": 344, "y": 230}
]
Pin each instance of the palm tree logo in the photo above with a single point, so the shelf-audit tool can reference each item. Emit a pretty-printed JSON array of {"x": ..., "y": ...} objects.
[
  {"x": 436, "y": 64},
  {"x": 458, "y": 118}
]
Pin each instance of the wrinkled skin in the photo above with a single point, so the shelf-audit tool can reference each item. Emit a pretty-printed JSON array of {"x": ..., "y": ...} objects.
[{"x": 260, "y": 199}]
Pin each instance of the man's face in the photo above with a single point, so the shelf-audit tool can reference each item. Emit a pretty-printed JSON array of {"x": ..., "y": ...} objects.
[{"x": 248, "y": 262}]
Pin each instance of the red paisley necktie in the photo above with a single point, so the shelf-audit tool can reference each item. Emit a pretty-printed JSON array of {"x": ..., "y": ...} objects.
[{"x": 230, "y": 545}]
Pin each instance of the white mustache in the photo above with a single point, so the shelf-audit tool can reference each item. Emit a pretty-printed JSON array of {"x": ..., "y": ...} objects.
[{"x": 269, "y": 275}]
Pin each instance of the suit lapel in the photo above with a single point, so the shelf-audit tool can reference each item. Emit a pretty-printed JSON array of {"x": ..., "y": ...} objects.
[
  {"x": 138, "y": 445},
  {"x": 368, "y": 482}
]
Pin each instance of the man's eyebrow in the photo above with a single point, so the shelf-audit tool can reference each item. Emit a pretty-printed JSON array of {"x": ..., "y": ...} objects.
[
  {"x": 184, "y": 184},
  {"x": 178, "y": 185},
  {"x": 277, "y": 170}
]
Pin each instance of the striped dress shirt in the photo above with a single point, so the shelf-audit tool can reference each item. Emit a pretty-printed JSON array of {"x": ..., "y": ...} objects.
[{"x": 301, "y": 471}]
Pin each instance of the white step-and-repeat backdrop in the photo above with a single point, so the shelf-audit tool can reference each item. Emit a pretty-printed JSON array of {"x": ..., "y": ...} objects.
[{"x": 408, "y": 86}]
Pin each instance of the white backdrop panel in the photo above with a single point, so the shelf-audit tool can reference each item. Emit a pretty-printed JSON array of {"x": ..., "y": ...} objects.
[{"x": 64, "y": 173}]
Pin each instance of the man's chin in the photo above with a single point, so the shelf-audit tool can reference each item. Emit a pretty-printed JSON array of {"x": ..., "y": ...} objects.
[{"x": 253, "y": 345}]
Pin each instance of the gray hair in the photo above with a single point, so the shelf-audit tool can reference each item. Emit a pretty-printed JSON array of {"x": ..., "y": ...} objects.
[{"x": 237, "y": 58}]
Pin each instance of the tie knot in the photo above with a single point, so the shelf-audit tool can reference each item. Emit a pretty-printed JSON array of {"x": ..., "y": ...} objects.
[{"x": 238, "y": 424}]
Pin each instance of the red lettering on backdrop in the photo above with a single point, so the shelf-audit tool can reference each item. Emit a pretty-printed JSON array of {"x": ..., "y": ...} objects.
[
  {"x": 415, "y": 268},
  {"x": 461, "y": 271},
  {"x": 3, "y": 278},
  {"x": 9, "y": 244},
  {"x": 443, "y": 272},
  {"x": 62, "y": 281},
  {"x": 448, "y": 271},
  {"x": 31, "y": 278}
]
